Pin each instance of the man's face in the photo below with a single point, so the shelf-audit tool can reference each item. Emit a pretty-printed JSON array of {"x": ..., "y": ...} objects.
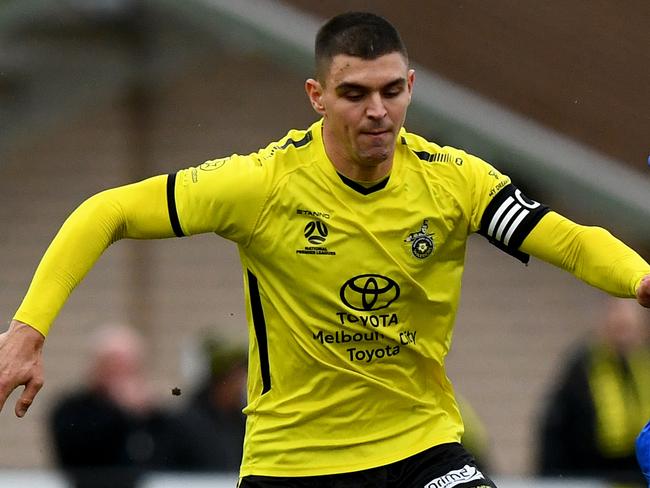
[{"x": 364, "y": 104}]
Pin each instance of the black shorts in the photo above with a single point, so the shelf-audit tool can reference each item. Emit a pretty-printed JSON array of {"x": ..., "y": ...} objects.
[{"x": 444, "y": 466}]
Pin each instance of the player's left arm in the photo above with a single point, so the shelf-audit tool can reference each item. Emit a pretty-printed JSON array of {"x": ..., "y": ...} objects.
[
  {"x": 592, "y": 254},
  {"x": 521, "y": 227}
]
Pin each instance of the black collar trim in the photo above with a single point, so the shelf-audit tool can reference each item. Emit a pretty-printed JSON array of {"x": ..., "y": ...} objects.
[{"x": 362, "y": 189}]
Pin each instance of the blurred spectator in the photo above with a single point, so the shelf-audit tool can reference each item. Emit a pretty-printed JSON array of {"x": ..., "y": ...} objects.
[
  {"x": 208, "y": 434},
  {"x": 601, "y": 402},
  {"x": 109, "y": 432}
]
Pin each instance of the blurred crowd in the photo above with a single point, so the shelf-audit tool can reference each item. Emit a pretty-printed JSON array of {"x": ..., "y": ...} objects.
[
  {"x": 111, "y": 431},
  {"x": 600, "y": 401}
]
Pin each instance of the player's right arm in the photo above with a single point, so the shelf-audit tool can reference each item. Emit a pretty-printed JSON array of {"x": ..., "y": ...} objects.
[
  {"x": 136, "y": 211},
  {"x": 133, "y": 211},
  {"x": 223, "y": 196}
]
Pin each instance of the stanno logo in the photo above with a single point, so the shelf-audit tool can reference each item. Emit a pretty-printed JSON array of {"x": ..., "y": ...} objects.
[
  {"x": 369, "y": 292},
  {"x": 456, "y": 477},
  {"x": 313, "y": 213},
  {"x": 422, "y": 244},
  {"x": 316, "y": 232}
]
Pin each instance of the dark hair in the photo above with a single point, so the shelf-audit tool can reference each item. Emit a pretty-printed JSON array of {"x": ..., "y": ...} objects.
[{"x": 360, "y": 34}]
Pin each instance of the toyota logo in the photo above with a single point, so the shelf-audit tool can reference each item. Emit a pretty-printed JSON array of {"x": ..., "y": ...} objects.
[{"x": 369, "y": 292}]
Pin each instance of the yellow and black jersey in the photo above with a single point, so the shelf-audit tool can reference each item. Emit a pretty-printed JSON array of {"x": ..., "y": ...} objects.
[{"x": 351, "y": 292}]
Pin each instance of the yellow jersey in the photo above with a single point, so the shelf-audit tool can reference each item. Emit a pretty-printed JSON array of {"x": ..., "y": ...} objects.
[{"x": 351, "y": 293}]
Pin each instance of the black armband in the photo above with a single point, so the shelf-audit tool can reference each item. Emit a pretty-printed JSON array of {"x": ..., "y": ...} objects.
[{"x": 509, "y": 218}]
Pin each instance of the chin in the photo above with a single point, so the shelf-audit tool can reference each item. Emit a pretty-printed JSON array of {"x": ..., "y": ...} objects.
[{"x": 374, "y": 159}]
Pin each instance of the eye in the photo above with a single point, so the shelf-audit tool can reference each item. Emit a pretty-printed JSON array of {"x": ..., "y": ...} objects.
[
  {"x": 353, "y": 96},
  {"x": 393, "y": 92}
]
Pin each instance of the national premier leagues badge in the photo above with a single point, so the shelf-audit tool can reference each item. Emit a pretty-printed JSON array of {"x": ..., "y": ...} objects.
[{"x": 421, "y": 243}]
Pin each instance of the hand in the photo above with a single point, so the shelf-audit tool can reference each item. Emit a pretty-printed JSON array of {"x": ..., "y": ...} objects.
[
  {"x": 21, "y": 364},
  {"x": 643, "y": 292}
]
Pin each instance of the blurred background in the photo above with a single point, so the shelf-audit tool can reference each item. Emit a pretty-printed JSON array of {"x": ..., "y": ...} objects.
[{"x": 98, "y": 93}]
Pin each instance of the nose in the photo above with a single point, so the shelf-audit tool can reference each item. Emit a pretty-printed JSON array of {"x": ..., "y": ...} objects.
[{"x": 375, "y": 108}]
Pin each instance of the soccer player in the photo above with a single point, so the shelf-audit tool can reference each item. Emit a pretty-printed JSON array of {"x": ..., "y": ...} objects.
[{"x": 352, "y": 237}]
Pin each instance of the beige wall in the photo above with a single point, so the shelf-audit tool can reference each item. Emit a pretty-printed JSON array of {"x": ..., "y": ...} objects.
[{"x": 513, "y": 324}]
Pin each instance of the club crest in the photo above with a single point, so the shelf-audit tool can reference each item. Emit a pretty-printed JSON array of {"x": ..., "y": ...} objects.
[{"x": 422, "y": 244}]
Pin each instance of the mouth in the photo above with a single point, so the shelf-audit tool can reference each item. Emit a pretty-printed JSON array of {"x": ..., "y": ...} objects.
[{"x": 375, "y": 132}]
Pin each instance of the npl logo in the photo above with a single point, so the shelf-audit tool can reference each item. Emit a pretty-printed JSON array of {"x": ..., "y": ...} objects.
[{"x": 316, "y": 232}]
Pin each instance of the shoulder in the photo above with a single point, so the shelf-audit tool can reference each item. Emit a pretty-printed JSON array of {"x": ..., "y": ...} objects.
[
  {"x": 430, "y": 156},
  {"x": 441, "y": 162},
  {"x": 260, "y": 167},
  {"x": 429, "y": 152},
  {"x": 287, "y": 151},
  {"x": 84, "y": 405},
  {"x": 77, "y": 398}
]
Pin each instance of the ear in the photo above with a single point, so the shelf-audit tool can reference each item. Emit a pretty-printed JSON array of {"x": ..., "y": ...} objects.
[
  {"x": 410, "y": 81},
  {"x": 315, "y": 94}
]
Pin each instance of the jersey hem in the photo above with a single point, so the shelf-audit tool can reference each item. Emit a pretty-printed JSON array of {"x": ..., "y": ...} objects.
[{"x": 261, "y": 470}]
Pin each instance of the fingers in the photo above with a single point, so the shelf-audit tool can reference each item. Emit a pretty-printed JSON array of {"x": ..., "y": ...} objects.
[
  {"x": 20, "y": 364},
  {"x": 643, "y": 292},
  {"x": 27, "y": 397},
  {"x": 5, "y": 386}
]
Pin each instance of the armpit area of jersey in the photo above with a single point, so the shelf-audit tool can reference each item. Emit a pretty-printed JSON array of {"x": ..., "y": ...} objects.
[{"x": 509, "y": 218}]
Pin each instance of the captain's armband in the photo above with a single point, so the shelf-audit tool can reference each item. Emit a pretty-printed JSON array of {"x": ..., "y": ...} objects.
[{"x": 509, "y": 218}]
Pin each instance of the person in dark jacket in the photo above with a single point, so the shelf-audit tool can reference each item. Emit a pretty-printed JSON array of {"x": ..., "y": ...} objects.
[
  {"x": 111, "y": 431},
  {"x": 208, "y": 433},
  {"x": 602, "y": 401}
]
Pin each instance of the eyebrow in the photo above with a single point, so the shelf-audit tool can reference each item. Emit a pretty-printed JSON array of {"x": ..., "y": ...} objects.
[{"x": 356, "y": 86}]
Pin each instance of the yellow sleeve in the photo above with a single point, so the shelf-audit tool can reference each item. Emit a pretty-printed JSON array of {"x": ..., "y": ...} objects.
[
  {"x": 590, "y": 253},
  {"x": 224, "y": 196},
  {"x": 136, "y": 211}
]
